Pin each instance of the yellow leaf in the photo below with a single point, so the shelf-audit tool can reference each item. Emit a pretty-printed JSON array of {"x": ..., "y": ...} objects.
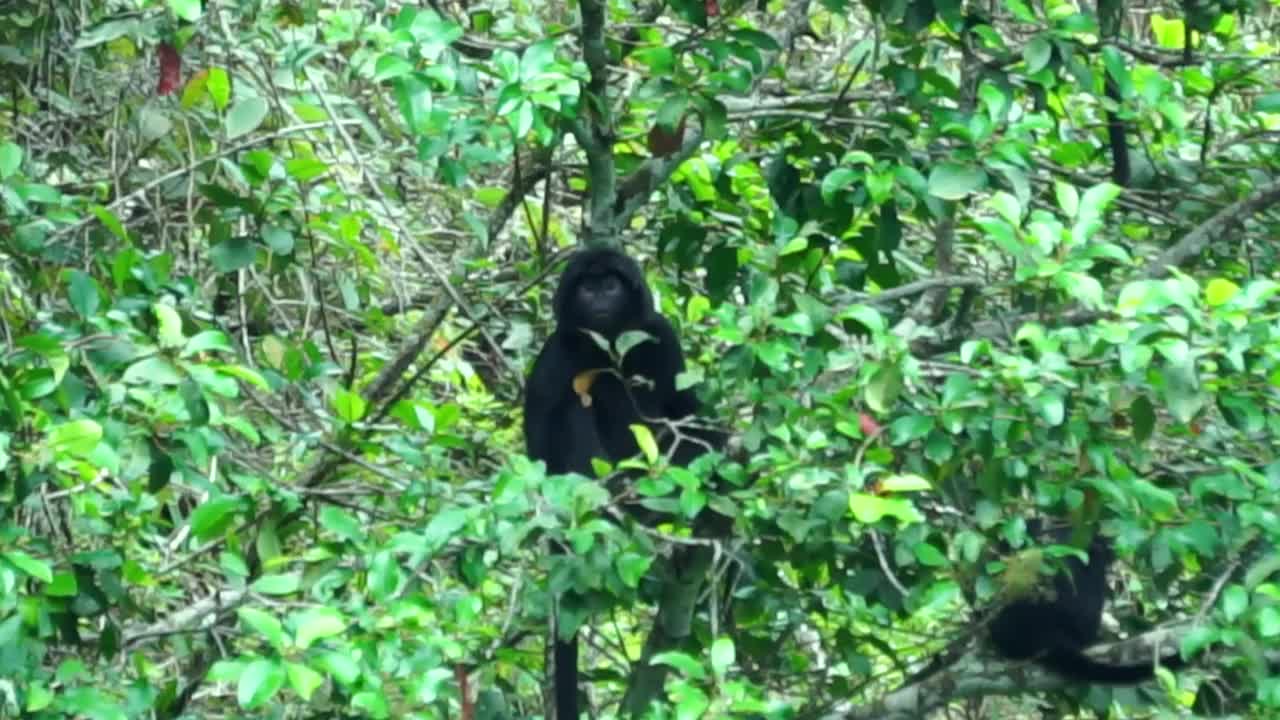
[{"x": 582, "y": 385}]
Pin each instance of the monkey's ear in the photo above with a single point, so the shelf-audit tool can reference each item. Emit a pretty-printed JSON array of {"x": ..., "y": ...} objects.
[{"x": 582, "y": 385}]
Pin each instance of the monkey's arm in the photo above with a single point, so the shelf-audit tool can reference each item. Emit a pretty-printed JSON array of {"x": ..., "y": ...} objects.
[
  {"x": 669, "y": 362},
  {"x": 550, "y": 382}
]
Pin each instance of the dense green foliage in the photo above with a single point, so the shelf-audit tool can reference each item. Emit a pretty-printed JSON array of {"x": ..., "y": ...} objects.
[{"x": 271, "y": 275}]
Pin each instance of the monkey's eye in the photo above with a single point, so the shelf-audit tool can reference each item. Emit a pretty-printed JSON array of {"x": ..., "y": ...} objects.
[{"x": 609, "y": 284}]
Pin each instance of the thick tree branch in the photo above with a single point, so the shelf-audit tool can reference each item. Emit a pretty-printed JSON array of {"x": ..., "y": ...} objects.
[
  {"x": 521, "y": 185},
  {"x": 650, "y": 176},
  {"x": 924, "y": 347},
  {"x": 980, "y": 676},
  {"x": 594, "y": 51},
  {"x": 1214, "y": 228},
  {"x": 594, "y": 127},
  {"x": 671, "y": 627}
]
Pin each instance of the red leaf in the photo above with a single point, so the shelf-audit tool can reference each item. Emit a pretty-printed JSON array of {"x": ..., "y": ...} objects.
[
  {"x": 170, "y": 69},
  {"x": 713, "y": 8},
  {"x": 868, "y": 425},
  {"x": 664, "y": 142}
]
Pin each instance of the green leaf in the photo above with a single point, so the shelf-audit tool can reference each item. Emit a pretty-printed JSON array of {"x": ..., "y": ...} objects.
[
  {"x": 688, "y": 666},
  {"x": 82, "y": 290},
  {"x": 660, "y": 60},
  {"x": 1235, "y": 600},
  {"x": 794, "y": 324},
  {"x": 153, "y": 370},
  {"x": 415, "y": 101},
  {"x": 644, "y": 437},
  {"x": 1143, "y": 416},
  {"x": 170, "y": 325},
  {"x": 1008, "y": 207},
  {"x": 279, "y": 239},
  {"x": 342, "y": 523},
  {"x": 318, "y": 624},
  {"x": 910, "y": 428},
  {"x": 722, "y": 656},
  {"x": 1037, "y": 54},
  {"x": 39, "y": 698},
  {"x": 632, "y": 567},
  {"x": 304, "y": 169},
  {"x": 64, "y": 585},
  {"x": 232, "y": 254},
  {"x": 371, "y": 704},
  {"x": 77, "y": 438},
  {"x": 838, "y": 180},
  {"x": 1181, "y": 389},
  {"x": 1262, "y": 570},
  {"x": 278, "y": 584},
  {"x": 537, "y": 58},
  {"x": 929, "y": 556},
  {"x": 10, "y": 159},
  {"x": 1068, "y": 197},
  {"x": 630, "y": 339},
  {"x": 1083, "y": 287},
  {"x": 264, "y": 624},
  {"x": 244, "y": 374},
  {"x": 763, "y": 41},
  {"x": 1169, "y": 33},
  {"x": 110, "y": 222},
  {"x": 259, "y": 682},
  {"x": 341, "y": 667},
  {"x": 881, "y": 392},
  {"x": 1097, "y": 199},
  {"x": 350, "y": 406},
  {"x": 37, "y": 569},
  {"x": 390, "y": 66},
  {"x": 951, "y": 181},
  {"x": 1134, "y": 297},
  {"x": 213, "y": 516},
  {"x": 904, "y": 483},
  {"x": 1051, "y": 407},
  {"x": 207, "y": 341},
  {"x": 444, "y": 526},
  {"x": 870, "y": 509},
  {"x": 189, "y": 10},
  {"x": 1268, "y": 622},
  {"x": 303, "y": 679},
  {"x": 1267, "y": 102},
  {"x": 692, "y": 704},
  {"x": 194, "y": 401},
  {"x": 219, "y": 84},
  {"x": 245, "y": 116},
  {"x": 672, "y": 109},
  {"x": 1220, "y": 291},
  {"x": 89, "y": 703}
]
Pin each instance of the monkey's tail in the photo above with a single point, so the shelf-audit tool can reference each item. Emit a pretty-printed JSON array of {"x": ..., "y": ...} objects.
[
  {"x": 1079, "y": 666},
  {"x": 566, "y": 678}
]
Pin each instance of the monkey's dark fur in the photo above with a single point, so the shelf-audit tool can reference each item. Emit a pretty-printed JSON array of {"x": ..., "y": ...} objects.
[
  {"x": 1055, "y": 630},
  {"x": 604, "y": 291}
]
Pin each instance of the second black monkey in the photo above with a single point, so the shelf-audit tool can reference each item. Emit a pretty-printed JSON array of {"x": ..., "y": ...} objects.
[
  {"x": 602, "y": 290},
  {"x": 1055, "y": 630}
]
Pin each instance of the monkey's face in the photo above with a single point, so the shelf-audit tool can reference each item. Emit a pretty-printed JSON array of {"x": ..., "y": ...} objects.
[{"x": 602, "y": 302}]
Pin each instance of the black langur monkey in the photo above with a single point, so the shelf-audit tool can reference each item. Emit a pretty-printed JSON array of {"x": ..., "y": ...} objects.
[
  {"x": 1054, "y": 631},
  {"x": 602, "y": 290}
]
